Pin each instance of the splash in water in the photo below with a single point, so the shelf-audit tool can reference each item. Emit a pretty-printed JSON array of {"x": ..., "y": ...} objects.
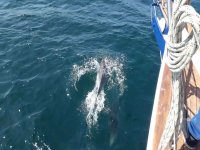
[{"x": 110, "y": 73}]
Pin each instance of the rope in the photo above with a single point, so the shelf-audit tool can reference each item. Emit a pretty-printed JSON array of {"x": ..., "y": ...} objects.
[{"x": 179, "y": 54}]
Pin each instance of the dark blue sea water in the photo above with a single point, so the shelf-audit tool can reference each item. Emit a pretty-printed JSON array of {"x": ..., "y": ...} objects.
[{"x": 40, "y": 43}]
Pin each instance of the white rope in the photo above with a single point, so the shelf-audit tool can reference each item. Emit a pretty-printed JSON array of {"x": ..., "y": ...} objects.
[{"x": 179, "y": 54}]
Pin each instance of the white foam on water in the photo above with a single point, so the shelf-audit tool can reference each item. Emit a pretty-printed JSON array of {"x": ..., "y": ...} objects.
[
  {"x": 78, "y": 71},
  {"x": 43, "y": 147},
  {"x": 115, "y": 73},
  {"x": 36, "y": 146},
  {"x": 94, "y": 102},
  {"x": 40, "y": 144}
]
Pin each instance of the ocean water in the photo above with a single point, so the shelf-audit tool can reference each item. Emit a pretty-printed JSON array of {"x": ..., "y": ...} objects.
[{"x": 50, "y": 55}]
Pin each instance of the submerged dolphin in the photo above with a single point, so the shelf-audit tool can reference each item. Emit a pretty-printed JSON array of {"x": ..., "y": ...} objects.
[{"x": 113, "y": 122}]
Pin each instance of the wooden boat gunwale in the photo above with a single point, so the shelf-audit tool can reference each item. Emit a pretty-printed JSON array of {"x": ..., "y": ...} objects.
[{"x": 163, "y": 88}]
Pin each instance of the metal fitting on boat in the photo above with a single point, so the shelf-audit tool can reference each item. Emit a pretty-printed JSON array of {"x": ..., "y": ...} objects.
[{"x": 156, "y": 3}]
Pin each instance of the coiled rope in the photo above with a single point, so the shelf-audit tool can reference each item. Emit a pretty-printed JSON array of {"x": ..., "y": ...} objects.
[{"x": 179, "y": 54}]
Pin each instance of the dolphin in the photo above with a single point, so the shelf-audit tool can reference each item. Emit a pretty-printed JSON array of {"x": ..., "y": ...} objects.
[
  {"x": 102, "y": 77},
  {"x": 95, "y": 95}
]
